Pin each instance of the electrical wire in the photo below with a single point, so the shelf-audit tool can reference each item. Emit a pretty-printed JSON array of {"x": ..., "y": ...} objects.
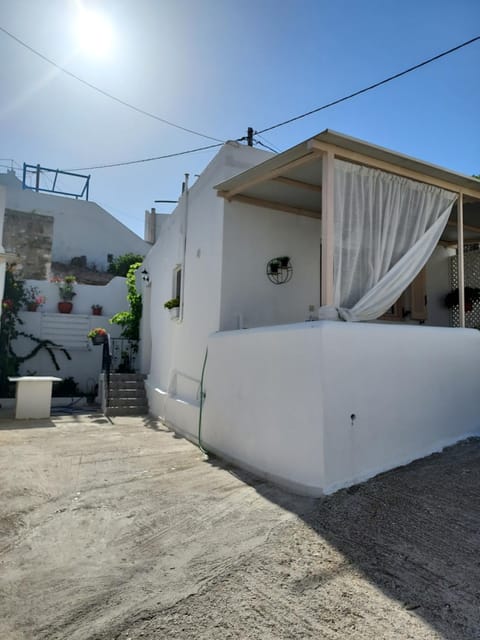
[
  {"x": 256, "y": 133},
  {"x": 168, "y": 155},
  {"x": 274, "y": 147},
  {"x": 369, "y": 88},
  {"x": 105, "y": 93},
  {"x": 264, "y": 145}
]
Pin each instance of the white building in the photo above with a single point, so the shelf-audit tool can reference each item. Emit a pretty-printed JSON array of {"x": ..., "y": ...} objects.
[
  {"x": 333, "y": 227},
  {"x": 41, "y": 228}
]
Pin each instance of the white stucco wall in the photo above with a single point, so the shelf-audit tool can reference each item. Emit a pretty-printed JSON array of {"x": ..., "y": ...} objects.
[
  {"x": 252, "y": 237},
  {"x": 112, "y": 296},
  {"x": 178, "y": 346},
  {"x": 81, "y": 228},
  {"x": 438, "y": 285},
  {"x": 85, "y": 365},
  {"x": 280, "y": 400}
]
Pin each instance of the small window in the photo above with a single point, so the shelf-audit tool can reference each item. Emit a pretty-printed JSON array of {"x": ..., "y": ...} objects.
[{"x": 177, "y": 282}]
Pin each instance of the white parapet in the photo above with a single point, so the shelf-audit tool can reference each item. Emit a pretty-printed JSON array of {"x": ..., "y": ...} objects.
[{"x": 322, "y": 405}]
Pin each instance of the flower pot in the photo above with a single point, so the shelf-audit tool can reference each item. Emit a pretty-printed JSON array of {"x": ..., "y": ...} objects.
[
  {"x": 65, "y": 307},
  {"x": 174, "y": 312},
  {"x": 32, "y": 306},
  {"x": 97, "y": 312},
  {"x": 98, "y": 339}
]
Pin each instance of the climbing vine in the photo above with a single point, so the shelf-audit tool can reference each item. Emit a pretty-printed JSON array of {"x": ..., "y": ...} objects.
[{"x": 130, "y": 320}]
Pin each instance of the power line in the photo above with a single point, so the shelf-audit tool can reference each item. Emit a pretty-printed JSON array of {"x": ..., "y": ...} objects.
[
  {"x": 105, "y": 93},
  {"x": 264, "y": 145},
  {"x": 303, "y": 115},
  {"x": 169, "y": 155},
  {"x": 369, "y": 88}
]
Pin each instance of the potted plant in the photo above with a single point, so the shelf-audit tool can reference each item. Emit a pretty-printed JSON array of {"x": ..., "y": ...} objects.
[
  {"x": 97, "y": 309},
  {"x": 274, "y": 265},
  {"x": 33, "y": 299},
  {"x": 284, "y": 261},
  {"x": 173, "y": 306},
  {"x": 472, "y": 294},
  {"x": 97, "y": 335},
  {"x": 66, "y": 291}
]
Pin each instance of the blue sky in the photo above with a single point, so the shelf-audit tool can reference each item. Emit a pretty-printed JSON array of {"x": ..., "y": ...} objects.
[{"x": 219, "y": 66}]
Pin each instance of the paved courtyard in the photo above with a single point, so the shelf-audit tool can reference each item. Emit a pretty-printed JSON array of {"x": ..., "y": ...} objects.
[{"x": 118, "y": 529}]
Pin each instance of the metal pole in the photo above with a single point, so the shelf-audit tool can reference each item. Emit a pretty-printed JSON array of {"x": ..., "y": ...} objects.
[{"x": 460, "y": 260}]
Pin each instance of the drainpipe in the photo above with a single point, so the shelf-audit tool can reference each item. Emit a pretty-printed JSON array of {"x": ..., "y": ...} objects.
[{"x": 182, "y": 297}]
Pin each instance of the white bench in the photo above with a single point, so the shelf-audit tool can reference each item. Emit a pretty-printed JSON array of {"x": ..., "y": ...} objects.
[{"x": 33, "y": 396}]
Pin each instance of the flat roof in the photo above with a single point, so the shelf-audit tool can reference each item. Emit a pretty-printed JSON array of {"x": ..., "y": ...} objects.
[{"x": 354, "y": 150}]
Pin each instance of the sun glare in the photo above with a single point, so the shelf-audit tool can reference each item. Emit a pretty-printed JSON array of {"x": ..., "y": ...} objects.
[{"x": 94, "y": 32}]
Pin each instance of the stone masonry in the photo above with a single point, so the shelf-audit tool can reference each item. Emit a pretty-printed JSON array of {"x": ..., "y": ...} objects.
[{"x": 30, "y": 236}]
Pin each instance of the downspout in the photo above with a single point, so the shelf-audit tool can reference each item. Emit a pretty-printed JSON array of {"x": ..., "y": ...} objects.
[{"x": 185, "y": 230}]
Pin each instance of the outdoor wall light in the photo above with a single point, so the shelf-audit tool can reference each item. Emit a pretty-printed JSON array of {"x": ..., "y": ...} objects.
[
  {"x": 279, "y": 270},
  {"x": 145, "y": 276}
]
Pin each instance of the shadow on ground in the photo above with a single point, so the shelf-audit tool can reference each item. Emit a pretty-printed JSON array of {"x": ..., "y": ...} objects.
[{"x": 412, "y": 532}]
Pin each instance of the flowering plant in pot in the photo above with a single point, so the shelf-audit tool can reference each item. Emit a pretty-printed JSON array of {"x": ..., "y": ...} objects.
[
  {"x": 97, "y": 309},
  {"x": 66, "y": 291},
  {"x": 33, "y": 299},
  {"x": 97, "y": 335}
]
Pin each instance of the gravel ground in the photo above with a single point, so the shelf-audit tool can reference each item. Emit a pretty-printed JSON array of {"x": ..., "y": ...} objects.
[{"x": 118, "y": 529}]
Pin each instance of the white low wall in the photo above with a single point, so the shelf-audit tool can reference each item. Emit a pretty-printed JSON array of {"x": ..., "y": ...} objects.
[{"x": 323, "y": 405}]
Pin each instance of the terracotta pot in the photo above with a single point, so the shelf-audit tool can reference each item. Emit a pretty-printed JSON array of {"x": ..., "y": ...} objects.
[
  {"x": 65, "y": 307},
  {"x": 33, "y": 306},
  {"x": 96, "y": 312}
]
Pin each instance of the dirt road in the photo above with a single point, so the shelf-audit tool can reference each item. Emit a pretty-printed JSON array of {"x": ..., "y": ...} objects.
[{"x": 121, "y": 530}]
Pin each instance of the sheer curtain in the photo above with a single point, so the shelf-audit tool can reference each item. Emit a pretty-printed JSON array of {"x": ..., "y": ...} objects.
[{"x": 386, "y": 228}]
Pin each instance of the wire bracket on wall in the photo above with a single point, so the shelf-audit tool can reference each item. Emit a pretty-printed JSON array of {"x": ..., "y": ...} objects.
[{"x": 279, "y": 270}]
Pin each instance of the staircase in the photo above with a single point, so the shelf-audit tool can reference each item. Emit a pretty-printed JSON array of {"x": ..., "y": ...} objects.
[{"x": 126, "y": 395}]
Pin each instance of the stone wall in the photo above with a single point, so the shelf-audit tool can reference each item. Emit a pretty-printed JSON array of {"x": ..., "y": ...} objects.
[{"x": 30, "y": 236}]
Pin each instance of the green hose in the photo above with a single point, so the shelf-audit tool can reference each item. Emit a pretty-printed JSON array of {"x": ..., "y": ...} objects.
[{"x": 202, "y": 396}]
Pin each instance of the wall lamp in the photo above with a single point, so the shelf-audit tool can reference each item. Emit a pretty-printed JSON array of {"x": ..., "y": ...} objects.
[{"x": 145, "y": 276}]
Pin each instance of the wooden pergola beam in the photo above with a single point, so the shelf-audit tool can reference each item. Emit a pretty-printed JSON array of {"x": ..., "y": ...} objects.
[
  {"x": 467, "y": 227},
  {"x": 298, "y": 183},
  {"x": 269, "y": 175},
  {"x": 269, "y": 204},
  {"x": 367, "y": 161}
]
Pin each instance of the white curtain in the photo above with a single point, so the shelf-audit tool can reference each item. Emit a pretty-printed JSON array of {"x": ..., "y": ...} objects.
[{"x": 385, "y": 229}]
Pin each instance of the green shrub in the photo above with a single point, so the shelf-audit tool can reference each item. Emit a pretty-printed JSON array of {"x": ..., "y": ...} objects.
[{"x": 119, "y": 266}]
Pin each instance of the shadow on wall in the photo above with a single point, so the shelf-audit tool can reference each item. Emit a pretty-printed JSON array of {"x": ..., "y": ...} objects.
[{"x": 411, "y": 532}]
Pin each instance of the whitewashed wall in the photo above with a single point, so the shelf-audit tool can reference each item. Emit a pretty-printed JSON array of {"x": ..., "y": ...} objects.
[
  {"x": 280, "y": 400},
  {"x": 252, "y": 237},
  {"x": 80, "y": 227},
  {"x": 112, "y": 296},
  {"x": 438, "y": 285},
  {"x": 70, "y": 330},
  {"x": 178, "y": 347}
]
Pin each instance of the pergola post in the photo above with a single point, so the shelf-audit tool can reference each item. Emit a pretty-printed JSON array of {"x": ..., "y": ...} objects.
[
  {"x": 328, "y": 240},
  {"x": 460, "y": 260}
]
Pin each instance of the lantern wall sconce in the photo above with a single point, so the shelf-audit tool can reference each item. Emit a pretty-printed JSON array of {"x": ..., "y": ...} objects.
[
  {"x": 279, "y": 270},
  {"x": 145, "y": 276}
]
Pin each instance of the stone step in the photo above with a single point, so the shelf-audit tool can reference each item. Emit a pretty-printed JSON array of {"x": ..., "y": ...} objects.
[
  {"x": 127, "y": 411},
  {"x": 126, "y": 393},
  {"x": 127, "y": 377},
  {"x": 125, "y": 402}
]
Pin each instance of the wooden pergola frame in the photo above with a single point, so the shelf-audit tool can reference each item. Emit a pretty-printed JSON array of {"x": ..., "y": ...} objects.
[{"x": 331, "y": 146}]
